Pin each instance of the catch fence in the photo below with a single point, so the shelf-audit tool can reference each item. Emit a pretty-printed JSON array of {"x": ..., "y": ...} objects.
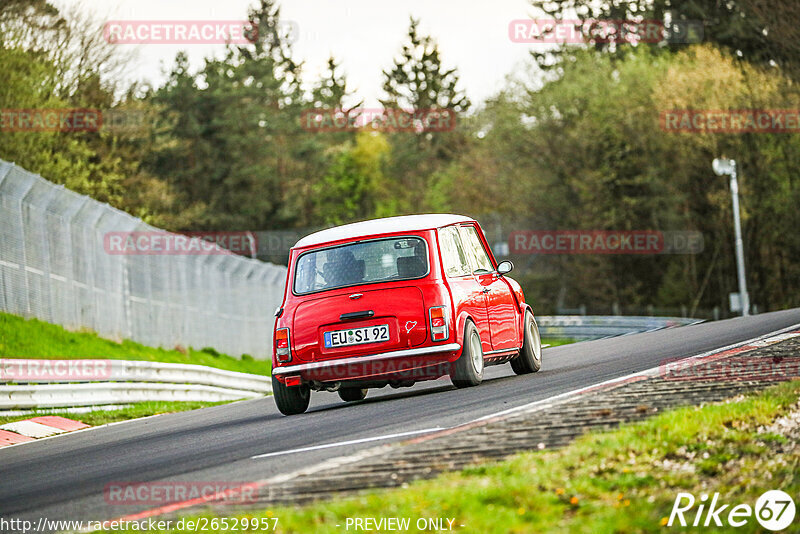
[{"x": 55, "y": 266}]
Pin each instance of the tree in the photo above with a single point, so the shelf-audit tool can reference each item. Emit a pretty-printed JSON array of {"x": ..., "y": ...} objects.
[
  {"x": 419, "y": 86},
  {"x": 354, "y": 184},
  {"x": 760, "y": 31},
  {"x": 237, "y": 132},
  {"x": 59, "y": 60},
  {"x": 63, "y": 158},
  {"x": 419, "y": 81},
  {"x": 72, "y": 41}
]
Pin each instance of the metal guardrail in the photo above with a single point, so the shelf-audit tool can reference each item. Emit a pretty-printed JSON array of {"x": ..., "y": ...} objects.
[
  {"x": 585, "y": 327},
  {"x": 63, "y": 383},
  {"x": 99, "y": 393}
]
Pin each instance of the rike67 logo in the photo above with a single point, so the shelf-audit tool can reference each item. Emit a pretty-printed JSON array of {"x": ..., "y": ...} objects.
[{"x": 774, "y": 511}]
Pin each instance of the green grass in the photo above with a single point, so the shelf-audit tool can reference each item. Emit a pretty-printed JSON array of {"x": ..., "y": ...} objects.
[
  {"x": 620, "y": 481},
  {"x": 102, "y": 417},
  {"x": 31, "y": 338},
  {"x": 556, "y": 341}
]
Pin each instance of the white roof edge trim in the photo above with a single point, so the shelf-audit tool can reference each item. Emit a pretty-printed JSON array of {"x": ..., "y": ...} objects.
[{"x": 402, "y": 223}]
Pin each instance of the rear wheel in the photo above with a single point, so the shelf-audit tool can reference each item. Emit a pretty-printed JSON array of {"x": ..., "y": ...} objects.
[
  {"x": 352, "y": 394},
  {"x": 530, "y": 357},
  {"x": 468, "y": 369},
  {"x": 290, "y": 400}
]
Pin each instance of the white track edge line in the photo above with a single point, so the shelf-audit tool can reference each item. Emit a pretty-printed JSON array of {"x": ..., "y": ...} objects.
[{"x": 349, "y": 442}]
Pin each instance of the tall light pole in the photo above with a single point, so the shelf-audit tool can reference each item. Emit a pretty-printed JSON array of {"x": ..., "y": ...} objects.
[{"x": 727, "y": 167}]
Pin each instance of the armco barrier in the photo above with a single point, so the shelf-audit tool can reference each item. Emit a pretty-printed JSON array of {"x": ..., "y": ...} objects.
[
  {"x": 36, "y": 384},
  {"x": 584, "y": 327},
  {"x": 49, "y": 371},
  {"x": 99, "y": 393}
]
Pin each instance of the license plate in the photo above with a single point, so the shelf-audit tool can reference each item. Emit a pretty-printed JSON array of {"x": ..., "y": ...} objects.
[{"x": 357, "y": 336}]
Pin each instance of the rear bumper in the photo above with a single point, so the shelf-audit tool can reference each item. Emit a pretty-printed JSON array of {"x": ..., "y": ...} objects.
[{"x": 374, "y": 364}]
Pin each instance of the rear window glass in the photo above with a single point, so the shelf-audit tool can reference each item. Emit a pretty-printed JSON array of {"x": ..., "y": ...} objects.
[{"x": 379, "y": 260}]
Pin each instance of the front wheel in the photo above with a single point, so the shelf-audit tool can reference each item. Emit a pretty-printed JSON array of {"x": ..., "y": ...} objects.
[
  {"x": 352, "y": 394},
  {"x": 530, "y": 357},
  {"x": 468, "y": 368},
  {"x": 290, "y": 400}
]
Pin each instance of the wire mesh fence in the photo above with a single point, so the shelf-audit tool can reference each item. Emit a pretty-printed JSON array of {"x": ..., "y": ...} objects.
[{"x": 54, "y": 266}]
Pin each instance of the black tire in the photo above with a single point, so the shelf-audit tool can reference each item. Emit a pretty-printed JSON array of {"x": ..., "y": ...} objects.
[
  {"x": 530, "y": 357},
  {"x": 290, "y": 400},
  {"x": 467, "y": 371},
  {"x": 352, "y": 394}
]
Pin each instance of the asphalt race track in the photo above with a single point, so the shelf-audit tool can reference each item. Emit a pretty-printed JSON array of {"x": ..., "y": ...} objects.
[{"x": 64, "y": 477}]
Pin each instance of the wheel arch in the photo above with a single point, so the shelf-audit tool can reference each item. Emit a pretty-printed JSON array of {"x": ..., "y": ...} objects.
[
  {"x": 525, "y": 308},
  {"x": 461, "y": 324}
]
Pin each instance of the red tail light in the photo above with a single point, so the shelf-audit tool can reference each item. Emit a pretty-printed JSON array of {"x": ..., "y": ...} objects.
[
  {"x": 283, "y": 348},
  {"x": 439, "y": 323}
]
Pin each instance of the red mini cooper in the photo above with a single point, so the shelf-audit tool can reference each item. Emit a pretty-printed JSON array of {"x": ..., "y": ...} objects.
[{"x": 393, "y": 302}]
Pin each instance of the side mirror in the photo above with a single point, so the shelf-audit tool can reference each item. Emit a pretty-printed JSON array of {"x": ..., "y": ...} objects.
[{"x": 505, "y": 267}]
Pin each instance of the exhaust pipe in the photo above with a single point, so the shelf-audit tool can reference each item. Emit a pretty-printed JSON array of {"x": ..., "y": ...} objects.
[{"x": 316, "y": 385}]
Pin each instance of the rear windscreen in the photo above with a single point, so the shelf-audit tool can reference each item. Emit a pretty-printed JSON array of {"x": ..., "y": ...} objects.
[{"x": 380, "y": 260}]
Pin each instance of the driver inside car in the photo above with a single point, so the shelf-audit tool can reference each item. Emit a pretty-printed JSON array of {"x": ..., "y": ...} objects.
[{"x": 342, "y": 268}]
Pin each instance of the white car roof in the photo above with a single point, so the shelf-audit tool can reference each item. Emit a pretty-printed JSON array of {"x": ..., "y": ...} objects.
[{"x": 404, "y": 223}]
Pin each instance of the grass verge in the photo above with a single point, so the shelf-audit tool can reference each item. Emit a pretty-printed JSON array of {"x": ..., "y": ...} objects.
[
  {"x": 31, "y": 338},
  {"x": 557, "y": 341},
  {"x": 102, "y": 417},
  {"x": 620, "y": 481}
]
